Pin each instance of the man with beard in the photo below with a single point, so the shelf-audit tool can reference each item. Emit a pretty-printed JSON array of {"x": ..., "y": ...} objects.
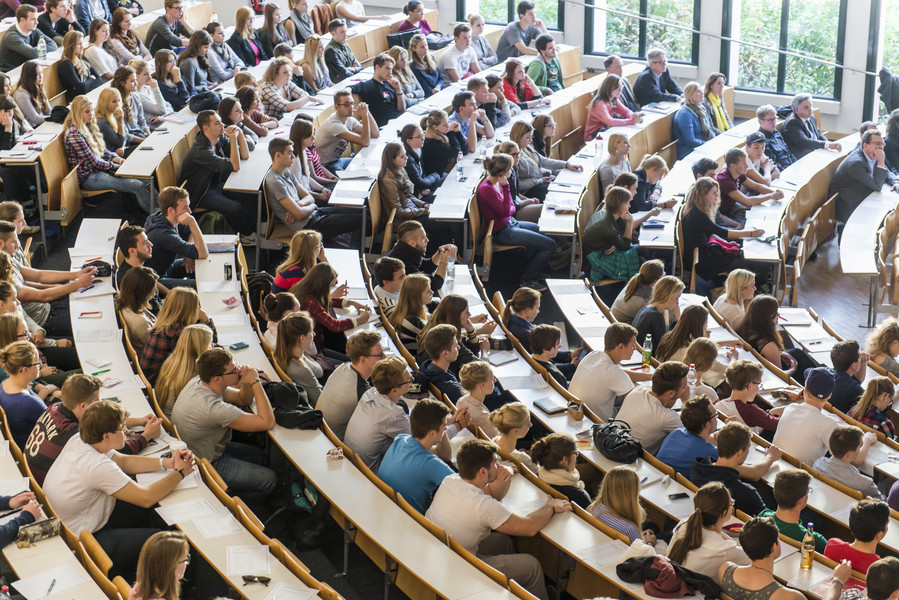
[
  {"x": 174, "y": 238},
  {"x": 411, "y": 245}
]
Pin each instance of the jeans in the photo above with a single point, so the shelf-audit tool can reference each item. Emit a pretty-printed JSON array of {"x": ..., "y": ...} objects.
[
  {"x": 241, "y": 468},
  {"x": 338, "y": 165},
  {"x": 241, "y": 217},
  {"x": 122, "y": 540},
  {"x": 101, "y": 180},
  {"x": 498, "y": 551},
  {"x": 539, "y": 247},
  {"x": 59, "y": 323},
  {"x": 334, "y": 220}
]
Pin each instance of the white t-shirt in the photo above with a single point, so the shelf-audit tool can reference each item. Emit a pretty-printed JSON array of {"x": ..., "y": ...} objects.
[
  {"x": 650, "y": 421},
  {"x": 330, "y": 147},
  {"x": 356, "y": 8},
  {"x": 460, "y": 62},
  {"x": 479, "y": 414},
  {"x": 816, "y": 427},
  {"x": 715, "y": 549},
  {"x": 598, "y": 381},
  {"x": 102, "y": 61},
  {"x": 465, "y": 512},
  {"x": 732, "y": 313},
  {"x": 81, "y": 483}
]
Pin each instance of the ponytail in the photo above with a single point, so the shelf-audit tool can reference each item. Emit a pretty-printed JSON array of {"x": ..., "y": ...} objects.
[
  {"x": 712, "y": 501},
  {"x": 650, "y": 272},
  {"x": 691, "y": 539},
  {"x": 507, "y": 313}
]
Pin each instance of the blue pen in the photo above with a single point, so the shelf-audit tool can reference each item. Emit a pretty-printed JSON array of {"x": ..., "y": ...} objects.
[
  {"x": 86, "y": 289},
  {"x": 163, "y": 132}
]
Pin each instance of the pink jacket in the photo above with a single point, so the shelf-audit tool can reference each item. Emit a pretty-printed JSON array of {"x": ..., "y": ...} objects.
[{"x": 601, "y": 115}]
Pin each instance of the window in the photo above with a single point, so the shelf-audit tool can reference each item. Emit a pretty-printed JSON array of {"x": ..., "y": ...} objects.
[
  {"x": 506, "y": 11},
  {"x": 809, "y": 27},
  {"x": 613, "y": 33}
]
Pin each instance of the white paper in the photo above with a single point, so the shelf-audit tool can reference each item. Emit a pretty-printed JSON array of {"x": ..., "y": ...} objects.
[
  {"x": 97, "y": 363},
  {"x": 603, "y": 554},
  {"x": 88, "y": 336},
  {"x": 16, "y": 485},
  {"x": 220, "y": 524},
  {"x": 97, "y": 288},
  {"x": 524, "y": 382},
  {"x": 212, "y": 287},
  {"x": 248, "y": 560},
  {"x": 232, "y": 319},
  {"x": 121, "y": 384},
  {"x": 502, "y": 357},
  {"x": 291, "y": 591},
  {"x": 191, "y": 481},
  {"x": 227, "y": 339},
  {"x": 37, "y": 586},
  {"x": 91, "y": 251},
  {"x": 181, "y": 512},
  {"x": 4, "y": 448}
]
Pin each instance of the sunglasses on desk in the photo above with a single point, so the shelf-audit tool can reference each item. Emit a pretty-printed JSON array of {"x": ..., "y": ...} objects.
[{"x": 248, "y": 579}]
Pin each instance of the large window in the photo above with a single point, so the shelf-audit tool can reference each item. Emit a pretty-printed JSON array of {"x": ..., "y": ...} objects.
[
  {"x": 809, "y": 27},
  {"x": 614, "y": 33},
  {"x": 506, "y": 11}
]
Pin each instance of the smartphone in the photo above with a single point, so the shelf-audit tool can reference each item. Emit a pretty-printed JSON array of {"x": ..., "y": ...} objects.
[
  {"x": 239, "y": 346},
  {"x": 678, "y": 496}
]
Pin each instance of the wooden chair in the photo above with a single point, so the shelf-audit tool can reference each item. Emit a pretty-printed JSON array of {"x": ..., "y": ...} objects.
[
  {"x": 379, "y": 483},
  {"x": 98, "y": 563},
  {"x": 177, "y": 154},
  {"x": 486, "y": 569},
  {"x": 571, "y": 143},
  {"x": 165, "y": 173},
  {"x": 55, "y": 166},
  {"x": 571, "y": 67},
  {"x": 686, "y": 267},
  {"x": 376, "y": 211},
  {"x": 432, "y": 527},
  {"x": 477, "y": 230},
  {"x": 27, "y": 249},
  {"x": 669, "y": 153},
  {"x": 578, "y": 110}
]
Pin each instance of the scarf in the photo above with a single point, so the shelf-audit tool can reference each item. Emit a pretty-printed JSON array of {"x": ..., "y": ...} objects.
[
  {"x": 561, "y": 477},
  {"x": 699, "y": 111},
  {"x": 718, "y": 112},
  {"x": 129, "y": 40}
]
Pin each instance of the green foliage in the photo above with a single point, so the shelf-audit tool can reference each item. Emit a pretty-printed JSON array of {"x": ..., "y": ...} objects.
[
  {"x": 890, "y": 42},
  {"x": 497, "y": 11},
  {"x": 623, "y": 33}
]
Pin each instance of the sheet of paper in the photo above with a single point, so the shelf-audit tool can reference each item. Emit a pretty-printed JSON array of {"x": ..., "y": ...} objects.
[
  {"x": 248, "y": 560},
  {"x": 191, "y": 481},
  {"x": 13, "y": 486},
  {"x": 220, "y": 524},
  {"x": 4, "y": 448},
  {"x": 213, "y": 287},
  {"x": 291, "y": 591},
  {"x": 36, "y": 587},
  {"x": 502, "y": 357},
  {"x": 227, "y": 339},
  {"x": 85, "y": 253},
  {"x": 524, "y": 382},
  {"x": 231, "y": 320},
  {"x": 121, "y": 384},
  {"x": 98, "y": 335},
  {"x": 188, "y": 510},
  {"x": 603, "y": 554}
]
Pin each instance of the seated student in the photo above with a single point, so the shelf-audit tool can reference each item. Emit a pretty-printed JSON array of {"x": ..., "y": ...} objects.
[
  {"x": 299, "y": 24},
  {"x": 519, "y": 88},
  {"x": 441, "y": 344},
  {"x": 473, "y": 122},
  {"x": 713, "y": 103},
  {"x": 295, "y": 332},
  {"x": 173, "y": 376},
  {"x": 442, "y": 145},
  {"x": 29, "y": 511},
  {"x": 411, "y": 247},
  {"x": 846, "y": 441},
  {"x": 295, "y": 207},
  {"x": 16, "y": 180},
  {"x": 409, "y": 84},
  {"x": 871, "y": 408},
  {"x": 58, "y": 20},
  {"x": 410, "y": 314},
  {"x": 231, "y": 113},
  {"x": 349, "y": 124},
  {"x": 278, "y": 93},
  {"x": 29, "y": 93},
  {"x": 21, "y": 404},
  {"x": 606, "y": 111},
  {"x": 648, "y": 193},
  {"x": 123, "y": 42},
  {"x": 59, "y": 423},
  {"x": 458, "y": 60},
  {"x": 136, "y": 291},
  {"x": 599, "y": 380},
  {"x": 517, "y": 36},
  {"x": 556, "y": 455},
  {"x": 208, "y": 163},
  {"x": 169, "y": 31},
  {"x": 850, "y": 367},
  {"x": 13, "y": 328},
  {"x": 489, "y": 102},
  {"x": 137, "y": 249},
  {"x": 244, "y": 42},
  {"x": 732, "y": 180},
  {"x": 350, "y": 380},
  {"x": 161, "y": 566},
  {"x": 477, "y": 490},
  {"x": 87, "y": 153},
  {"x": 315, "y": 71},
  {"x": 692, "y": 126},
  {"x": 6, "y": 92},
  {"x": 477, "y": 379},
  {"x": 397, "y": 191},
  {"x": 762, "y": 169},
  {"x": 304, "y": 251},
  {"x": 648, "y": 409},
  {"x": 800, "y": 129},
  {"x": 545, "y": 342},
  {"x": 760, "y": 541},
  {"x": 638, "y": 291},
  {"x": 194, "y": 63},
  {"x": 698, "y": 542},
  {"x": 254, "y": 119},
  {"x": 304, "y": 168},
  {"x": 661, "y": 314},
  {"x": 378, "y": 418},
  {"x": 692, "y": 324},
  {"x": 389, "y": 273},
  {"x": 382, "y": 93},
  {"x": 176, "y": 239},
  {"x": 423, "y": 65},
  {"x": 223, "y": 61},
  {"x": 513, "y": 422},
  {"x": 180, "y": 309},
  {"x": 354, "y": 13},
  {"x": 882, "y": 345},
  {"x": 759, "y": 329},
  {"x": 211, "y": 407},
  {"x": 744, "y": 377},
  {"x": 75, "y": 75},
  {"x": 274, "y": 308},
  {"x": 91, "y": 473},
  {"x": 412, "y": 466},
  {"x": 125, "y": 81},
  {"x": 454, "y": 310},
  {"x": 545, "y": 70},
  {"x": 609, "y": 241},
  {"x": 111, "y": 122},
  {"x": 103, "y": 62},
  {"x": 617, "y": 504},
  {"x": 415, "y": 11},
  {"x": 868, "y": 523},
  {"x": 519, "y": 313},
  {"x": 654, "y": 83},
  {"x": 775, "y": 146},
  {"x": 168, "y": 80},
  {"x": 21, "y": 43},
  {"x": 734, "y": 442},
  {"x": 739, "y": 288},
  {"x": 272, "y": 31},
  {"x": 339, "y": 57},
  {"x": 791, "y": 490},
  {"x": 534, "y": 170},
  {"x": 486, "y": 55},
  {"x": 413, "y": 139},
  {"x": 691, "y": 441}
]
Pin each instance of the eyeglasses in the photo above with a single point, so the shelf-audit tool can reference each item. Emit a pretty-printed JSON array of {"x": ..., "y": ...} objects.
[
  {"x": 22, "y": 335},
  {"x": 410, "y": 382},
  {"x": 37, "y": 364},
  {"x": 248, "y": 579},
  {"x": 769, "y": 120},
  {"x": 381, "y": 355}
]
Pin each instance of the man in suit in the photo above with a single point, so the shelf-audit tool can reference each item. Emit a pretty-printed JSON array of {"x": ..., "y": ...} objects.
[
  {"x": 801, "y": 131},
  {"x": 614, "y": 66},
  {"x": 861, "y": 172},
  {"x": 775, "y": 145},
  {"x": 655, "y": 84},
  {"x": 19, "y": 43}
]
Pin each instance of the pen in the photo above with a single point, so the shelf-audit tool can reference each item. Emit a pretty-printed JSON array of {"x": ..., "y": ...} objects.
[
  {"x": 50, "y": 589},
  {"x": 163, "y": 132},
  {"x": 86, "y": 289},
  {"x": 93, "y": 312},
  {"x": 90, "y": 260},
  {"x": 100, "y": 372}
]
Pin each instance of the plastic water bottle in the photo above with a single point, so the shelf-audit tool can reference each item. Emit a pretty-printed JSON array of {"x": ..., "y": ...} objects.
[
  {"x": 459, "y": 166},
  {"x": 450, "y": 270},
  {"x": 4, "y": 593},
  {"x": 41, "y": 48},
  {"x": 647, "y": 351},
  {"x": 691, "y": 378},
  {"x": 214, "y": 18},
  {"x": 808, "y": 548}
]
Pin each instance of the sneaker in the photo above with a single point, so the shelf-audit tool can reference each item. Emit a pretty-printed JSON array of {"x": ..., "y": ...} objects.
[
  {"x": 248, "y": 240},
  {"x": 536, "y": 284}
]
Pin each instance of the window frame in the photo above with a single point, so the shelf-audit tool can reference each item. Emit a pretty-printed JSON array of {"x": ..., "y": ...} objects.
[{"x": 512, "y": 14}]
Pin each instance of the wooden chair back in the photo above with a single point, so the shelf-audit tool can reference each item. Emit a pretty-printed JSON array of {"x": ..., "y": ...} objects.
[{"x": 55, "y": 166}]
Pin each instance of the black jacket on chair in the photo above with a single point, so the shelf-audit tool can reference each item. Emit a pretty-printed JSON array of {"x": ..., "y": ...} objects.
[{"x": 419, "y": 179}]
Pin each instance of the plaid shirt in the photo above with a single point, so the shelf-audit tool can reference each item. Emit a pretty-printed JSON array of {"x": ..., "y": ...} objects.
[
  {"x": 82, "y": 158},
  {"x": 160, "y": 345},
  {"x": 877, "y": 420},
  {"x": 273, "y": 101}
]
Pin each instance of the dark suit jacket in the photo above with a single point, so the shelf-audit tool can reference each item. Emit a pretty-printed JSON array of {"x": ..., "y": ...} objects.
[
  {"x": 419, "y": 179},
  {"x": 627, "y": 96},
  {"x": 801, "y": 139},
  {"x": 853, "y": 181},
  {"x": 646, "y": 91}
]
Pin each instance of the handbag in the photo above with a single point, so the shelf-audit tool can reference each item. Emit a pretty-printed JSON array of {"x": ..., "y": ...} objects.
[
  {"x": 204, "y": 101},
  {"x": 620, "y": 265},
  {"x": 614, "y": 441},
  {"x": 402, "y": 38},
  {"x": 437, "y": 40}
]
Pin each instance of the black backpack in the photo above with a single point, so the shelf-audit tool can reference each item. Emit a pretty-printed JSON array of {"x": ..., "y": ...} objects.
[
  {"x": 259, "y": 284},
  {"x": 615, "y": 442}
]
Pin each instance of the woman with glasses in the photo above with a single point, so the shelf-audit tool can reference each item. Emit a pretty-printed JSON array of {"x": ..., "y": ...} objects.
[
  {"x": 168, "y": 78},
  {"x": 556, "y": 456},
  {"x": 19, "y": 400},
  {"x": 161, "y": 566},
  {"x": 413, "y": 139}
]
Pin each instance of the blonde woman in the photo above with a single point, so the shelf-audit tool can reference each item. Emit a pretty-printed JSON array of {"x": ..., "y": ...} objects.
[
  {"x": 23, "y": 406},
  {"x": 299, "y": 24},
  {"x": 692, "y": 126},
  {"x": 874, "y": 404},
  {"x": 315, "y": 73},
  {"x": 304, "y": 252},
  {"x": 295, "y": 337},
  {"x": 618, "y": 505},
  {"x": 180, "y": 309},
  {"x": 410, "y": 315},
  {"x": 476, "y": 378},
  {"x": 161, "y": 566},
  {"x": 739, "y": 288},
  {"x": 75, "y": 75},
  {"x": 278, "y": 93},
  {"x": 535, "y": 171},
  {"x": 714, "y": 103},
  {"x": 181, "y": 366},
  {"x": 111, "y": 121},
  {"x": 702, "y": 353},
  {"x": 883, "y": 345},
  {"x": 423, "y": 66},
  {"x": 617, "y": 161},
  {"x": 662, "y": 312},
  {"x": 243, "y": 41},
  {"x": 486, "y": 54},
  {"x": 87, "y": 153},
  {"x": 513, "y": 421},
  {"x": 148, "y": 92},
  {"x": 648, "y": 194},
  {"x": 442, "y": 145},
  {"x": 410, "y": 85}
]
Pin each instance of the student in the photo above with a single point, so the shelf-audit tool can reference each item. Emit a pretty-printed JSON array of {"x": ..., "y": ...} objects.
[
  {"x": 638, "y": 291},
  {"x": 692, "y": 324},
  {"x": 382, "y": 93},
  {"x": 244, "y": 42},
  {"x": 161, "y": 566},
  {"x": 486, "y": 55},
  {"x": 489, "y": 102},
  {"x": 339, "y": 56},
  {"x": 713, "y": 103},
  {"x": 274, "y": 308},
  {"x": 299, "y": 24},
  {"x": 519, "y": 88},
  {"x": 846, "y": 441},
  {"x": 272, "y": 31},
  {"x": 545, "y": 342},
  {"x": 477, "y": 379},
  {"x": 556, "y": 455},
  {"x": 761, "y": 169},
  {"x": 350, "y": 380},
  {"x": 137, "y": 249},
  {"x": 21, "y": 404},
  {"x": 248, "y": 96},
  {"x": 315, "y": 71},
  {"x": 58, "y": 20},
  {"x": 454, "y": 310},
  {"x": 609, "y": 240},
  {"x": 415, "y": 11},
  {"x": 692, "y": 126},
  {"x": 662, "y": 312},
  {"x": 459, "y": 59},
  {"x": 791, "y": 490},
  {"x": 169, "y": 31},
  {"x": 102, "y": 61},
  {"x": 733, "y": 182},
  {"x": 606, "y": 111},
  {"x": 86, "y": 152},
  {"x": 6, "y": 91},
  {"x": 871, "y": 408},
  {"x": 883, "y": 345},
  {"x": 173, "y": 376},
  {"x": 423, "y": 66},
  {"x": 413, "y": 139},
  {"x": 354, "y": 13},
  {"x": 441, "y": 344},
  {"x": 125, "y": 81},
  {"x": 29, "y": 93},
  {"x": 194, "y": 63},
  {"x": 648, "y": 409},
  {"x": 295, "y": 332},
  {"x": 532, "y": 167},
  {"x": 15, "y": 179},
  {"x": 124, "y": 43},
  {"x": 545, "y": 70},
  {"x": 231, "y": 113},
  {"x": 411, "y": 247},
  {"x": 617, "y": 504},
  {"x": 177, "y": 241},
  {"x": 278, "y": 93},
  {"x": 21, "y": 43},
  {"x": 136, "y": 289},
  {"x": 304, "y": 251},
  {"x": 693, "y": 439},
  {"x": 703, "y": 354},
  {"x": 648, "y": 194},
  {"x": 739, "y": 288},
  {"x": 411, "y": 88},
  {"x": 518, "y": 35},
  {"x": 180, "y": 309},
  {"x": 745, "y": 380},
  {"x": 389, "y": 273},
  {"x": 349, "y": 124},
  {"x": 850, "y": 368},
  {"x": 513, "y": 421},
  {"x": 223, "y": 62},
  {"x": 75, "y": 75},
  {"x": 868, "y": 523},
  {"x": 410, "y": 314},
  {"x": 698, "y": 542},
  {"x": 442, "y": 145},
  {"x": 168, "y": 79},
  {"x": 397, "y": 191},
  {"x": 759, "y": 330},
  {"x": 519, "y": 313}
]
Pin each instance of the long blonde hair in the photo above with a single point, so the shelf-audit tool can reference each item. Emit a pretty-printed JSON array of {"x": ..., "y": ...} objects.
[
  {"x": 310, "y": 56},
  {"x": 620, "y": 494},
  {"x": 428, "y": 64},
  {"x": 404, "y": 76},
  {"x": 880, "y": 339},
  {"x": 303, "y": 251},
  {"x": 243, "y": 23},
  {"x": 90, "y": 131},
  {"x": 103, "y": 111},
  {"x": 180, "y": 307},
  {"x": 665, "y": 289},
  {"x": 696, "y": 197},
  {"x": 733, "y": 287},
  {"x": 876, "y": 386},
  {"x": 68, "y": 52},
  {"x": 409, "y": 302},
  {"x": 510, "y": 416},
  {"x": 157, "y": 563},
  {"x": 181, "y": 365}
]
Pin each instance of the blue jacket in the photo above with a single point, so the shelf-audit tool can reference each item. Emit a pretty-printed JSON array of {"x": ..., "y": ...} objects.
[
  {"x": 84, "y": 15},
  {"x": 444, "y": 381},
  {"x": 427, "y": 80},
  {"x": 687, "y": 131}
]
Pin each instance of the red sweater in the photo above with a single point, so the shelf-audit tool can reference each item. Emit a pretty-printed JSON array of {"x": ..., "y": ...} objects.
[
  {"x": 755, "y": 416},
  {"x": 324, "y": 319}
]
